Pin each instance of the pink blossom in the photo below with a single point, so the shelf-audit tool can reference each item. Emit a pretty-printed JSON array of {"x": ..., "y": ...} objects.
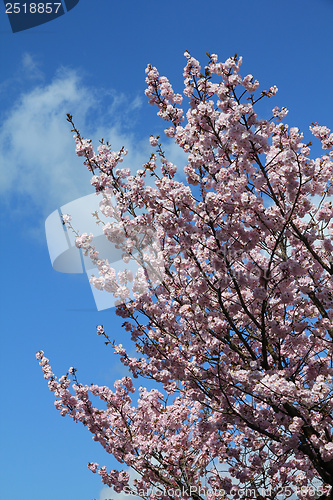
[
  {"x": 231, "y": 309},
  {"x": 66, "y": 218}
]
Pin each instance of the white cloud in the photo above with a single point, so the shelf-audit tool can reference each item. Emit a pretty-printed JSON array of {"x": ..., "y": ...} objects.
[
  {"x": 37, "y": 157},
  {"x": 31, "y": 67},
  {"x": 39, "y": 170}
]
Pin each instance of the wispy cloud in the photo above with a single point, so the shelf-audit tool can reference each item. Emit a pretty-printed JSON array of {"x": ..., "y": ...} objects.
[
  {"x": 31, "y": 67},
  {"x": 39, "y": 170},
  {"x": 37, "y": 156}
]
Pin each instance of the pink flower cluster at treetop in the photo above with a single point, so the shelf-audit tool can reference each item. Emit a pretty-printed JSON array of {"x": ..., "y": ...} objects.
[{"x": 231, "y": 308}]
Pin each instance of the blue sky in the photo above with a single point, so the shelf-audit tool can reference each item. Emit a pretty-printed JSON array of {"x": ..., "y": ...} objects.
[{"x": 90, "y": 63}]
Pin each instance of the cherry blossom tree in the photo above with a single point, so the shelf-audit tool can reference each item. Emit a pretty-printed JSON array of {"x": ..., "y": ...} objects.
[{"x": 231, "y": 308}]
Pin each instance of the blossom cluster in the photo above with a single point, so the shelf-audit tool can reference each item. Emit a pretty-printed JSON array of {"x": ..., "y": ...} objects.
[{"x": 232, "y": 307}]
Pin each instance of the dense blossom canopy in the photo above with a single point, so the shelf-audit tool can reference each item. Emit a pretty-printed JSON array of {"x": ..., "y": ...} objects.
[{"x": 231, "y": 309}]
